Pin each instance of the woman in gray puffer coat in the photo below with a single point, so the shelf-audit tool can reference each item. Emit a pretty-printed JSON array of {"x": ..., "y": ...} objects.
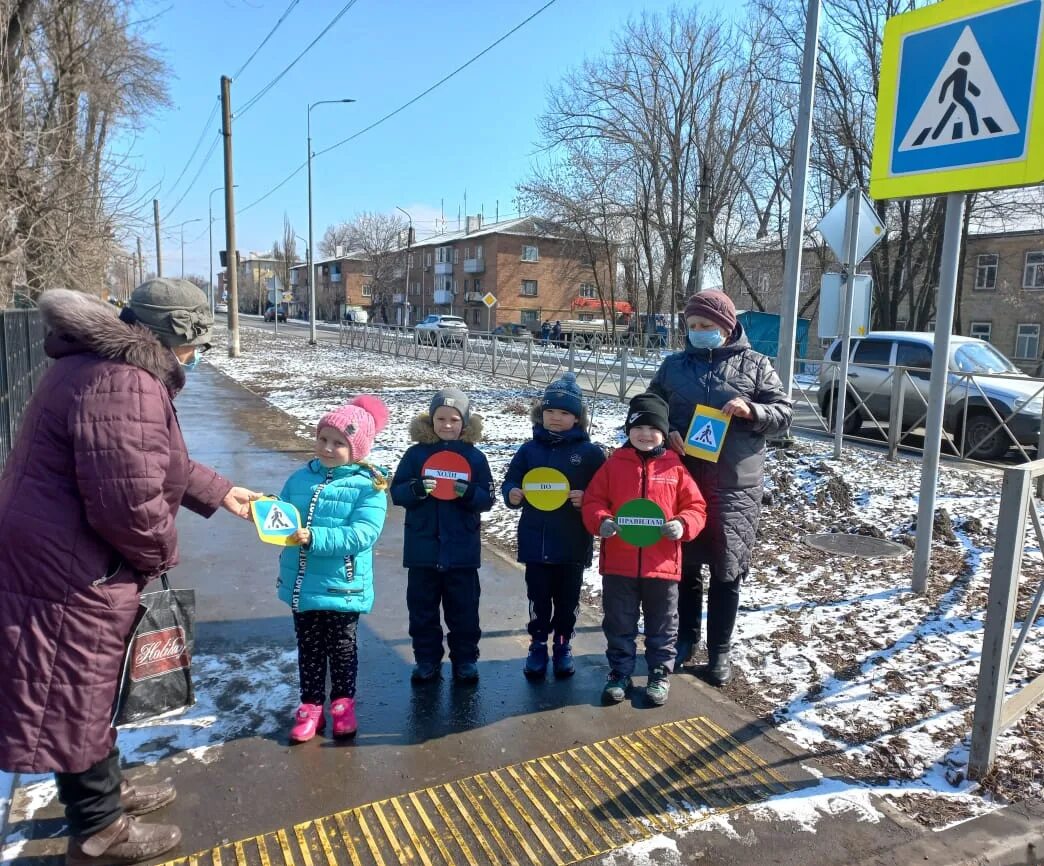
[
  {"x": 88, "y": 500},
  {"x": 719, "y": 369}
]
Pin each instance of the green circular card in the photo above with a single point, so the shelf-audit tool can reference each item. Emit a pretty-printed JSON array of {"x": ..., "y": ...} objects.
[{"x": 640, "y": 522}]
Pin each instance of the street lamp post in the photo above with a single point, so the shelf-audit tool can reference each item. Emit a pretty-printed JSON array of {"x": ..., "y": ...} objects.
[
  {"x": 210, "y": 211},
  {"x": 406, "y": 295},
  {"x": 182, "y": 227},
  {"x": 311, "y": 244}
]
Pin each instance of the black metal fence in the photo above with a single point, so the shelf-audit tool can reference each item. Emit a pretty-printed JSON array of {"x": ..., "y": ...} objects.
[{"x": 22, "y": 363}]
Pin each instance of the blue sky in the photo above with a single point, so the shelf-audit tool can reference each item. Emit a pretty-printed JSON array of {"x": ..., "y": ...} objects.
[{"x": 476, "y": 134}]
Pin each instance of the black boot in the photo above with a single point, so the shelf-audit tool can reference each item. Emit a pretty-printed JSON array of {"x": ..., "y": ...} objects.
[
  {"x": 718, "y": 671},
  {"x": 685, "y": 650}
]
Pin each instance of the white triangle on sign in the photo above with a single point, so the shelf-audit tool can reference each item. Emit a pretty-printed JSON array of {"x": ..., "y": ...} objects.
[
  {"x": 277, "y": 519},
  {"x": 705, "y": 436},
  {"x": 964, "y": 104}
]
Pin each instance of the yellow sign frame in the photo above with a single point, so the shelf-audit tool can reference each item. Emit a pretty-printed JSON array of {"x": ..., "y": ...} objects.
[
  {"x": 1026, "y": 171},
  {"x": 705, "y": 413}
]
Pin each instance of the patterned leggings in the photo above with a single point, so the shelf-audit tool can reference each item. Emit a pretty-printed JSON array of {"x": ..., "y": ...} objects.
[{"x": 326, "y": 637}]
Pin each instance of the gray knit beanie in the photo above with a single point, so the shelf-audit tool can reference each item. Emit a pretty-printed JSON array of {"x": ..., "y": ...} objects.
[
  {"x": 455, "y": 399},
  {"x": 176, "y": 311}
]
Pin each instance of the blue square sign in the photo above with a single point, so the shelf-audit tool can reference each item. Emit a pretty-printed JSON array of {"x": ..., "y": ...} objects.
[{"x": 957, "y": 99}]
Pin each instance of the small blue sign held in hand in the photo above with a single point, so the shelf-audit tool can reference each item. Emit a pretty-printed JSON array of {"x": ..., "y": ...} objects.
[{"x": 275, "y": 521}]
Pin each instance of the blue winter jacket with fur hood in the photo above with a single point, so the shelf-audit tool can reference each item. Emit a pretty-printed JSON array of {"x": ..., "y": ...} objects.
[
  {"x": 351, "y": 503},
  {"x": 442, "y": 533}
]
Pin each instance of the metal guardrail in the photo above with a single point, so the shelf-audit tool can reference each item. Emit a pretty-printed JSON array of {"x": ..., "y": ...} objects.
[
  {"x": 22, "y": 363},
  {"x": 993, "y": 710}
]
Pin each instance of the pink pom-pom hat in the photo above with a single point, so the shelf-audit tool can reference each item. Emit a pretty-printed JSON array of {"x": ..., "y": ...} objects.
[{"x": 359, "y": 422}]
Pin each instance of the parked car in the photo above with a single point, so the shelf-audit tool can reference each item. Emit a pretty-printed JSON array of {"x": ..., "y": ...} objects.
[
  {"x": 270, "y": 314},
  {"x": 221, "y": 308},
  {"x": 513, "y": 329},
  {"x": 449, "y": 330},
  {"x": 967, "y": 417}
]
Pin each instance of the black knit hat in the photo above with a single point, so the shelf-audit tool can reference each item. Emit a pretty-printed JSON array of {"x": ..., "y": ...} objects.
[{"x": 649, "y": 409}]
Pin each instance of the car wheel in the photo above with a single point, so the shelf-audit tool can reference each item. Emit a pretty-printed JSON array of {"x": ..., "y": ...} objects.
[
  {"x": 980, "y": 443},
  {"x": 853, "y": 419}
]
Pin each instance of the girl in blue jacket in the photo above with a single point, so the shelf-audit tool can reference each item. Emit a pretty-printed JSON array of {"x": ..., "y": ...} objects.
[
  {"x": 554, "y": 545},
  {"x": 442, "y": 543},
  {"x": 328, "y": 579}
]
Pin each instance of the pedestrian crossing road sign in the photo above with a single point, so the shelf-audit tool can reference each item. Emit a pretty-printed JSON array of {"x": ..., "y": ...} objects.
[
  {"x": 958, "y": 106},
  {"x": 275, "y": 521},
  {"x": 706, "y": 433}
]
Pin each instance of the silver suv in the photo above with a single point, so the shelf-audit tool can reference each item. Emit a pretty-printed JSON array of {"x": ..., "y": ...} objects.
[
  {"x": 980, "y": 376},
  {"x": 447, "y": 330}
]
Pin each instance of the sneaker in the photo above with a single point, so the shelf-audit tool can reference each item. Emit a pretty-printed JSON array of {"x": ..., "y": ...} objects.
[
  {"x": 658, "y": 687},
  {"x": 686, "y": 652},
  {"x": 615, "y": 689},
  {"x": 466, "y": 672},
  {"x": 718, "y": 671},
  {"x": 563, "y": 660},
  {"x": 343, "y": 712},
  {"x": 308, "y": 721},
  {"x": 536, "y": 662},
  {"x": 123, "y": 841},
  {"x": 426, "y": 672}
]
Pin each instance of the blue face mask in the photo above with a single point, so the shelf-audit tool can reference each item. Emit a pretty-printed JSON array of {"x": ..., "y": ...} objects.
[
  {"x": 191, "y": 365},
  {"x": 705, "y": 339}
]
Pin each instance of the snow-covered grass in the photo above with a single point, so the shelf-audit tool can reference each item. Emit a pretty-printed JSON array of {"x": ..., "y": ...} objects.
[{"x": 838, "y": 651}]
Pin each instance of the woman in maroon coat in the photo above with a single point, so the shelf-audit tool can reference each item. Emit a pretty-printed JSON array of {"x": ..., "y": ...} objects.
[{"x": 88, "y": 499}]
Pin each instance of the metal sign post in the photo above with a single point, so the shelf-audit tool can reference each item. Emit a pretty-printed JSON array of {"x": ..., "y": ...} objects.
[
  {"x": 851, "y": 264},
  {"x": 964, "y": 113}
]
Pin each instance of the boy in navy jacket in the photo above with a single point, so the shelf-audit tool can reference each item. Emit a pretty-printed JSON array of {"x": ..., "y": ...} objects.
[
  {"x": 554, "y": 545},
  {"x": 442, "y": 544}
]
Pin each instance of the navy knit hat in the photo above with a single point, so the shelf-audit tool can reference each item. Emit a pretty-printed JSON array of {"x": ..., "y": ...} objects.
[
  {"x": 455, "y": 399},
  {"x": 564, "y": 394},
  {"x": 647, "y": 409}
]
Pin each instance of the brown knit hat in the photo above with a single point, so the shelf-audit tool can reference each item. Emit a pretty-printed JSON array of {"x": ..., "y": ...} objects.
[{"x": 713, "y": 305}]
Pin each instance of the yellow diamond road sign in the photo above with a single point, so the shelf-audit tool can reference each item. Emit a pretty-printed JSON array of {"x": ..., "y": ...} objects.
[
  {"x": 958, "y": 107},
  {"x": 489, "y": 299}
]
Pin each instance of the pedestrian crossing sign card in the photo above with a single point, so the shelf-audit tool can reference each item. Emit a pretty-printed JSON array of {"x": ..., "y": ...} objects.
[
  {"x": 706, "y": 433},
  {"x": 545, "y": 488},
  {"x": 958, "y": 107},
  {"x": 275, "y": 521}
]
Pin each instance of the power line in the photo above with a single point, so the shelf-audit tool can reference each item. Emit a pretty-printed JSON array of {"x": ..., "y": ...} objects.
[
  {"x": 250, "y": 103},
  {"x": 438, "y": 83},
  {"x": 402, "y": 107},
  {"x": 264, "y": 41},
  {"x": 195, "y": 177},
  {"x": 199, "y": 142}
]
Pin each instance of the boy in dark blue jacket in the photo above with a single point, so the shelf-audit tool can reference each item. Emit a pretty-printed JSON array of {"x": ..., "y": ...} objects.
[
  {"x": 554, "y": 544},
  {"x": 442, "y": 544}
]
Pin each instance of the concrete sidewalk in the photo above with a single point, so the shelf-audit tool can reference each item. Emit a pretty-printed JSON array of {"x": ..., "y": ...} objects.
[{"x": 414, "y": 738}]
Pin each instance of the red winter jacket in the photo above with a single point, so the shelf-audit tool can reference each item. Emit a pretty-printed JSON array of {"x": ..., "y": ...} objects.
[{"x": 664, "y": 480}]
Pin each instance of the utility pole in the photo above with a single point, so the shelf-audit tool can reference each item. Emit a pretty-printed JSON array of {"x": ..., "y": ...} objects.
[
  {"x": 159, "y": 252},
  {"x": 141, "y": 264},
  {"x": 232, "y": 265}
]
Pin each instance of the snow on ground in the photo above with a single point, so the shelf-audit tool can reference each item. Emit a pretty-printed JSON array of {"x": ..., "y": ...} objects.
[{"x": 837, "y": 651}]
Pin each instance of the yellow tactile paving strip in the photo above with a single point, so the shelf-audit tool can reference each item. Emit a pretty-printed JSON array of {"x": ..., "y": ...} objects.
[{"x": 559, "y": 809}]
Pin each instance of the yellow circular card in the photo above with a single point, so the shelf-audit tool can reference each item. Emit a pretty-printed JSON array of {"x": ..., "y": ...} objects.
[{"x": 545, "y": 488}]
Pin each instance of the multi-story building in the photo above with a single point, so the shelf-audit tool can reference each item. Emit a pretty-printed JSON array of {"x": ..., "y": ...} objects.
[
  {"x": 1001, "y": 295},
  {"x": 343, "y": 280},
  {"x": 532, "y": 267}
]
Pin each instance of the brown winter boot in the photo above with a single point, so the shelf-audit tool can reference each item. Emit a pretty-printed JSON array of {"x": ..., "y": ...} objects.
[
  {"x": 123, "y": 841},
  {"x": 142, "y": 799}
]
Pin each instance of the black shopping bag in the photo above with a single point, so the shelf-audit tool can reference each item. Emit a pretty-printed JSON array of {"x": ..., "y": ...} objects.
[{"x": 157, "y": 676}]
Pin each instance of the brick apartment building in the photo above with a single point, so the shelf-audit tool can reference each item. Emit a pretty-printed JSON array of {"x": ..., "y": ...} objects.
[
  {"x": 531, "y": 266},
  {"x": 1001, "y": 293}
]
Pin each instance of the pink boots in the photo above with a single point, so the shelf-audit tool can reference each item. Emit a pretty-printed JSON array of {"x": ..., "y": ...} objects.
[
  {"x": 343, "y": 712},
  {"x": 308, "y": 721}
]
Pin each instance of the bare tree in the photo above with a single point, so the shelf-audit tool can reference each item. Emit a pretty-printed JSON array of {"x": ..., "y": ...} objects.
[
  {"x": 340, "y": 235},
  {"x": 379, "y": 240}
]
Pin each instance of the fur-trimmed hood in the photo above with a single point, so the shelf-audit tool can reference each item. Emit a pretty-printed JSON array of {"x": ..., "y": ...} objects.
[
  {"x": 536, "y": 415},
  {"x": 423, "y": 431},
  {"x": 78, "y": 322}
]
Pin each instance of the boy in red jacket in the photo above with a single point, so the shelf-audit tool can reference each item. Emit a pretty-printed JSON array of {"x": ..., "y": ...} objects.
[{"x": 644, "y": 578}]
